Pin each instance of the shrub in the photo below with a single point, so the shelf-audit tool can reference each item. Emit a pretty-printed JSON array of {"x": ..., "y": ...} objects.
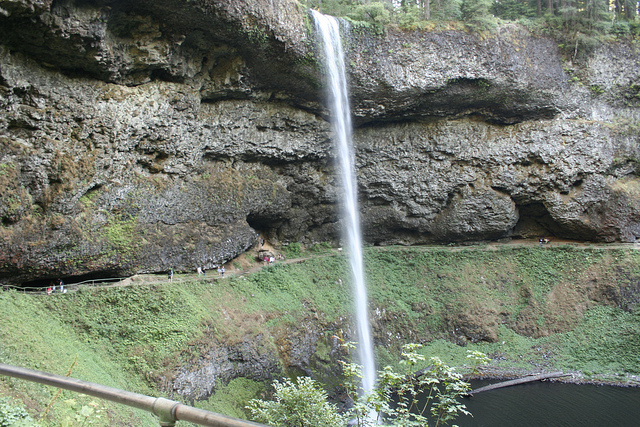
[
  {"x": 293, "y": 250},
  {"x": 14, "y": 416},
  {"x": 402, "y": 398},
  {"x": 300, "y": 404}
]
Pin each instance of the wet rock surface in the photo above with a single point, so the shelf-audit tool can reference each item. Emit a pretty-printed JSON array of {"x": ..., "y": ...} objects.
[
  {"x": 200, "y": 379},
  {"x": 143, "y": 136}
]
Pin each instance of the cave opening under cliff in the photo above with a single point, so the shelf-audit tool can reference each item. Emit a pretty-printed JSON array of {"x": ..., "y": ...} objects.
[
  {"x": 264, "y": 225},
  {"x": 535, "y": 221}
]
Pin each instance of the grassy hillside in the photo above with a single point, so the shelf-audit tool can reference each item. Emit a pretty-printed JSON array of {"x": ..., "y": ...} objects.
[{"x": 529, "y": 308}]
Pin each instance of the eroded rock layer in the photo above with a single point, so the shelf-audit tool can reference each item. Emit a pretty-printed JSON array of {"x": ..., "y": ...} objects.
[{"x": 142, "y": 136}]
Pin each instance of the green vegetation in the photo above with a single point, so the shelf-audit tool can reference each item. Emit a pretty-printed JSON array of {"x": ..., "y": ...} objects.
[
  {"x": 35, "y": 336},
  {"x": 577, "y": 24},
  {"x": 613, "y": 333},
  {"x": 293, "y": 250},
  {"x": 301, "y": 403},
  {"x": 411, "y": 397},
  {"x": 14, "y": 416},
  {"x": 15, "y": 200},
  {"x": 126, "y": 323},
  {"x": 231, "y": 398},
  {"x": 119, "y": 233},
  {"x": 561, "y": 307}
]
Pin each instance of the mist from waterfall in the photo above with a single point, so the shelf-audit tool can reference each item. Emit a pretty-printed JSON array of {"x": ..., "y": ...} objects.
[{"x": 328, "y": 29}]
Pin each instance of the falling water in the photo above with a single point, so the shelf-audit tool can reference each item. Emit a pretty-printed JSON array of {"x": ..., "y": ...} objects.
[{"x": 329, "y": 32}]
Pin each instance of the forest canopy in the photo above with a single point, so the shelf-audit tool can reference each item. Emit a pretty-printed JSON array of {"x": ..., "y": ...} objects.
[{"x": 573, "y": 18}]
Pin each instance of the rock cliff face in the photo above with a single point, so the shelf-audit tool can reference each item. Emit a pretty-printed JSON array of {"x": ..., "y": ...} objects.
[{"x": 141, "y": 136}]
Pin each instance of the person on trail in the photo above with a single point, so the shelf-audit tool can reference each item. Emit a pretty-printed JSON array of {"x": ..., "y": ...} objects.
[
  {"x": 541, "y": 241},
  {"x": 171, "y": 275},
  {"x": 199, "y": 271},
  {"x": 222, "y": 271},
  {"x": 61, "y": 285}
]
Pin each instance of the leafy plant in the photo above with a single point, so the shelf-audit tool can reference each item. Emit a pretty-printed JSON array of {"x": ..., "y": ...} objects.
[
  {"x": 409, "y": 398},
  {"x": 293, "y": 250},
  {"x": 417, "y": 393},
  {"x": 320, "y": 247},
  {"x": 14, "y": 416},
  {"x": 302, "y": 403}
]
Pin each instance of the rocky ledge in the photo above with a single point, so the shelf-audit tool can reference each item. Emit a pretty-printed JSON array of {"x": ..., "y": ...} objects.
[{"x": 142, "y": 136}]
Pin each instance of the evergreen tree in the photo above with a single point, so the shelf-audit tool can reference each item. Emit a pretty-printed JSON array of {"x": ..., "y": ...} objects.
[
  {"x": 476, "y": 14},
  {"x": 514, "y": 10}
]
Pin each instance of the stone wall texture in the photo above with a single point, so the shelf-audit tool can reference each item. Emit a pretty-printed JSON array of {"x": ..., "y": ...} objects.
[{"x": 142, "y": 136}]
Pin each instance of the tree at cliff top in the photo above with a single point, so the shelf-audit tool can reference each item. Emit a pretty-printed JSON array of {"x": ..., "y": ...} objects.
[
  {"x": 476, "y": 14},
  {"x": 617, "y": 17}
]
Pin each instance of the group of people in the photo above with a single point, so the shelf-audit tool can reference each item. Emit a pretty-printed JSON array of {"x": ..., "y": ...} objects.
[
  {"x": 543, "y": 240},
  {"x": 270, "y": 259},
  {"x": 221, "y": 270},
  {"x": 58, "y": 286},
  {"x": 200, "y": 270}
]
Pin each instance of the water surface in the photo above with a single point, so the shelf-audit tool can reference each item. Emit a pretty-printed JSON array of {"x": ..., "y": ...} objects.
[{"x": 553, "y": 404}]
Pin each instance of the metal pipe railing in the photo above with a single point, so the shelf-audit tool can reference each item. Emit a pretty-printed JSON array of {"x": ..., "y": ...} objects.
[
  {"x": 168, "y": 411},
  {"x": 69, "y": 286}
]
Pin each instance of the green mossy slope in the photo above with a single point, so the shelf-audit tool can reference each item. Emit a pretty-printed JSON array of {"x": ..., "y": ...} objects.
[{"x": 529, "y": 308}]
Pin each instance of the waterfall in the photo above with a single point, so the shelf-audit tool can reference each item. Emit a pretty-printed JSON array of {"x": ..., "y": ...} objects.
[{"x": 329, "y": 31}]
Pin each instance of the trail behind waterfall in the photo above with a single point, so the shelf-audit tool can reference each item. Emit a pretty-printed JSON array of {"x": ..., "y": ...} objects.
[{"x": 249, "y": 263}]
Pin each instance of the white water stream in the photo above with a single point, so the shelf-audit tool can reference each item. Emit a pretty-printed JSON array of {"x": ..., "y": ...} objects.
[{"x": 329, "y": 31}]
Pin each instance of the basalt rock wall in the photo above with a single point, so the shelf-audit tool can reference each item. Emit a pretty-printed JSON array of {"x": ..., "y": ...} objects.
[{"x": 142, "y": 136}]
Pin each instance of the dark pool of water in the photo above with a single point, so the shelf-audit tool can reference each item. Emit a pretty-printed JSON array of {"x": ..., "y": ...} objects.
[{"x": 553, "y": 404}]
